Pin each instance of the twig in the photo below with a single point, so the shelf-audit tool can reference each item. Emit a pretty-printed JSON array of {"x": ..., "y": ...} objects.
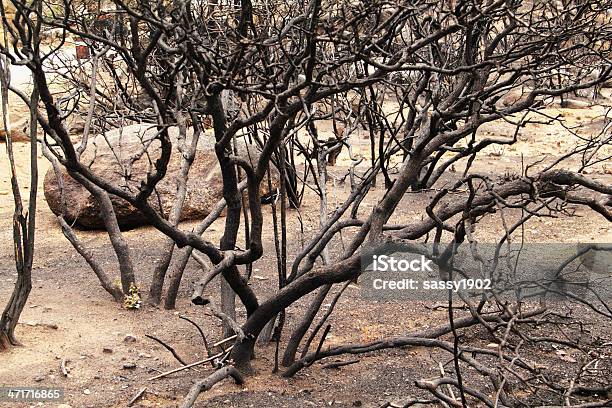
[
  {"x": 225, "y": 340},
  {"x": 448, "y": 386},
  {"x": 206, "y": 346},
  {"x": 409, "y": 403},
  {"x": 199, "y": 330},
  {"x": 45, "y": 325},
  {"x": 599, "y": 404},
  {"x": 319, "y": 325},
  {"x": 208, "y": 382},
  {"x": 338, "y": 364},
  {"x": 137, "y": 397},
  {"x": 185, "y": 367},
  {"x": 323, "y": 336},
  {"x": 168, "y": 347},
  {"x": 432, "y": 386},
  {"x": 63, "y": 368}
]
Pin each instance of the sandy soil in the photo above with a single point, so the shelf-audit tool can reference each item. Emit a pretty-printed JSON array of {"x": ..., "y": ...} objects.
[{"x": 70, "y": 318}]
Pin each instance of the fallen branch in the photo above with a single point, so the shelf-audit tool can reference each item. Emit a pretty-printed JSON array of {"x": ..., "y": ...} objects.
[
  {"x": 137, "y": 397},
  {"x": 52, "y": 326},
  {"x": 409, "y": 403},
  {"x": 208, "y": 382},
  {"x": 167, "y": 347},
  {"x": 185, "y": 367},
  {"x": 417, "y": 338},
  {"x": 606, "y": 403},
  {"x": 338, "y": 364},
  {"x": 449, "y": 389},
  {"x": 433, "y": 385}
]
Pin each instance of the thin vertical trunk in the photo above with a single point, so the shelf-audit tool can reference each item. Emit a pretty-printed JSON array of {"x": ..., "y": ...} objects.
[
  {"x": 302, "y": 328},
  {"x": 228, "y": 306},
  {"x": 24, "y": 224},
  {"x": 168, "y": 247},
  {"x": 299, "y": 333},
  {"x": 233, "y": 199},
  {"x": 120, "y": 245},
  {"x": 89, "y": 257},
  {"x": 182, "y": 256},
  {"x": 176, "y": 275},
  {"x": 68, "y": 232},
  {"x": 118, "y": 242}
]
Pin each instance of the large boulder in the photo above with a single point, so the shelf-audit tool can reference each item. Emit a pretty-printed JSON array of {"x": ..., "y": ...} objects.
[
  {"x": 121, "y": 158},
  {"x": 19, "y": 131}
]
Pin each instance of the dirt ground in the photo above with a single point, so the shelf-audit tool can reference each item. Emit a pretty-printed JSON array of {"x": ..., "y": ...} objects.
[{"x": 69, "y": 318}]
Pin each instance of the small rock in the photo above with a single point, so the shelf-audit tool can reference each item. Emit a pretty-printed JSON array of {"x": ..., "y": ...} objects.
[
  {"x": 144, "y": 355},
  {"x": 107, "y": 350},
  {"x": 129, "y": 366},
  {"x": 39, "y": 378},
  {"x": 86, "y": 391},
  {"x": 129, "y": 339}
]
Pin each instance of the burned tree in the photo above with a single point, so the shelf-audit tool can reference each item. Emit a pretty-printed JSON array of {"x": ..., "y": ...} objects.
[
  {"x": 420, "y": 77},
  {"x": 24, "y": 219}
]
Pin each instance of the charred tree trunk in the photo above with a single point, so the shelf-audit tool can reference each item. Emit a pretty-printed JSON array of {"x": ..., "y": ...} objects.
[
  {"x": 159, "y": 274},
  {"x": 299, "y": 333},
  {"x": 120, "y": 245},
  {"x": 233, "y": 199},
  {"x": 24, "y": 223}
]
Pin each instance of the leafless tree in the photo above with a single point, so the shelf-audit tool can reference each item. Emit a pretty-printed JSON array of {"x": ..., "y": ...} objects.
[
  {"x": 24, "y": 219},
  {"x": 271, "y": 72}
]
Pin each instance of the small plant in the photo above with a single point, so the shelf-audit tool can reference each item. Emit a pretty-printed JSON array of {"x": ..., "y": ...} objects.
[{"x": 132, "y": 300}]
